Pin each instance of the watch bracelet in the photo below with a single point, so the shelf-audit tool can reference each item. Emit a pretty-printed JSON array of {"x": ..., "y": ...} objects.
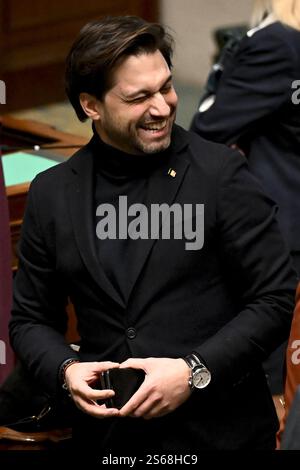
[
  {"x": 62, "y": 371},
  {"x": 193, "y": 360}
]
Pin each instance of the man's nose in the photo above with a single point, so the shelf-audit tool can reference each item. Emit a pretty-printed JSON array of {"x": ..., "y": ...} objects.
[{"x": 159, "y": 106}]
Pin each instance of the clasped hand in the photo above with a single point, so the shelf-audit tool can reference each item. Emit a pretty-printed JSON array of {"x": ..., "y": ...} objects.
[{"x": 164, "y": 389}]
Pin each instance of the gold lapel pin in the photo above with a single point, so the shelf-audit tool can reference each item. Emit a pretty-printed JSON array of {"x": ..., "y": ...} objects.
[{"x": 172, "y": 172}]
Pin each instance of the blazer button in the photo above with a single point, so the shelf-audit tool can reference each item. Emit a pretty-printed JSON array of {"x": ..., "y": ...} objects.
[{"x": 131, "y": 333}]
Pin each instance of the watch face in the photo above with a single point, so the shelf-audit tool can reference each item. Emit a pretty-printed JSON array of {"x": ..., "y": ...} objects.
[{"x": 201, "y": 377}]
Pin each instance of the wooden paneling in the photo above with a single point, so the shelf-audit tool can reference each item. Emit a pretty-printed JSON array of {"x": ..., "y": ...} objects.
[
  {"x": 23, "y": 133},
  {"x": 35, "y": 36}
]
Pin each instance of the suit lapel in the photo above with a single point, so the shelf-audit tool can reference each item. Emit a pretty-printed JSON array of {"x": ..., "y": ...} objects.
[
  {"x": 163, "y": 187},
  {"x": 80, "y": 199}
]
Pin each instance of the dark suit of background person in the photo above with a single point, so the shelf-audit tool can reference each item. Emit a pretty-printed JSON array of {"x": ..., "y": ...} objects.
[
  {"x": 253, "y": 108},
  {"x": 230, "y": 301},
  {"x": 291, "y": 434}
]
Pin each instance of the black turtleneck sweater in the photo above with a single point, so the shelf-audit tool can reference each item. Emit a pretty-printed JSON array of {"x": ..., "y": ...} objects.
[{"x": 120, "y": 174}]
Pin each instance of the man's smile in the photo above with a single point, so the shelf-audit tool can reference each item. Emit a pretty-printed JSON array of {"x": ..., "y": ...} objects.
[{"x": 155, "y": 126}]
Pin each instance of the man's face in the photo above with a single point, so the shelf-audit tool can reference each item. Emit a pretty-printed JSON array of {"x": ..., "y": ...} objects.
[{"x": 138, "y": 112}]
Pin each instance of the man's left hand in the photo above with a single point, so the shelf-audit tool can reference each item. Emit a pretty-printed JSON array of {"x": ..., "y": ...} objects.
[{"x": 164, "y": 389}]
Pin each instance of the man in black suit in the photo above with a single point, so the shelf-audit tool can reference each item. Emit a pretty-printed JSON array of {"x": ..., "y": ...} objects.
[{"x": 170, "y": 253}]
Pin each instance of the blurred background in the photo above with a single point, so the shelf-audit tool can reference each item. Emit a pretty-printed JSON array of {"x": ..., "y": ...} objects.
[{"x": 35, "y": 36}]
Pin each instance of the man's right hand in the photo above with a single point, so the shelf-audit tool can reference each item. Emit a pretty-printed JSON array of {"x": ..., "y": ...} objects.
[{"x": 79, "y": 376}]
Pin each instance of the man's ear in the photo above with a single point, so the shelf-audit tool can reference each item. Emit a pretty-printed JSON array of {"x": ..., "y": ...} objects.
[{"x": 90, "y": 106}]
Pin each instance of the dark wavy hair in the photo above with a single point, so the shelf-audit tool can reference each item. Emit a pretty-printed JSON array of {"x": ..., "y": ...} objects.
[{"x": 101, "y": 45}]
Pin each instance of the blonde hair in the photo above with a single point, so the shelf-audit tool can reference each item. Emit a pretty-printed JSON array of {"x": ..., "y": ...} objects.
[{"x": 286, "y": 11}]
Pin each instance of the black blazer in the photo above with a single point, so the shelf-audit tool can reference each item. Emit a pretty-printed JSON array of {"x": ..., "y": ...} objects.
[
  {"x": 231, "y": 301},
  {"x": 254, "y": 109}
]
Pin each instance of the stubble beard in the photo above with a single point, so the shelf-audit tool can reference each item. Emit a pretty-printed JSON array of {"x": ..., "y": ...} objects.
[
  {"x": 155, "y": 147},
  {"x": 130, "y": 142}
]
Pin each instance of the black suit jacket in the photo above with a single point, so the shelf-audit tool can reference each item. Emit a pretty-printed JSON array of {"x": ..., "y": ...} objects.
[
  {"x": 254, "y": 109},
  {"x": 231, "y": 301}
]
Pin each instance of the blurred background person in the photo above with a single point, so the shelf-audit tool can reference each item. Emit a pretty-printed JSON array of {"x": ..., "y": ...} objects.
[{"x": 255, "y": 107}]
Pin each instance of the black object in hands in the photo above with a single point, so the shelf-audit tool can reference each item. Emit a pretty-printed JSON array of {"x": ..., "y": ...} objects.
[{"x": 124, "y": 382}]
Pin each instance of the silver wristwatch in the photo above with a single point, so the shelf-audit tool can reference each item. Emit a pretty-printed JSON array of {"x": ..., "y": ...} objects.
[{"x": 200, "y": 376}]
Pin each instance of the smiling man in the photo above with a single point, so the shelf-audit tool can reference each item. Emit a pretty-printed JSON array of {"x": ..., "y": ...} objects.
[
  {"x": 198, "y": 322},
  {"x": 136, "y": 115}
]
